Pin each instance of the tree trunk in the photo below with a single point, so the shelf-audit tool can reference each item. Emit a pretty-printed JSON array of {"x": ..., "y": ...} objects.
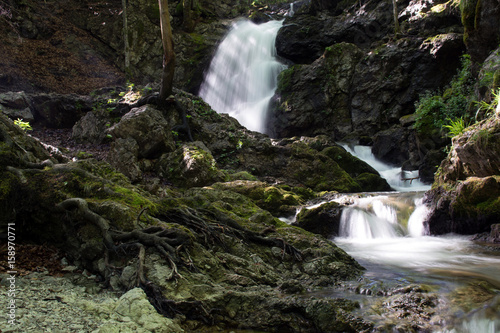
[
  {"x": 168, "y": 52},
  {"x": 396, "y": 21},
  {"x": 188, "y": 20},
  {"x": 125, "y": 37}
]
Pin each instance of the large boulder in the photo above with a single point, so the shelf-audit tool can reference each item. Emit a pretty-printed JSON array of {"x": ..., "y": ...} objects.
[
  {"x": 315, "y": 99},
  {"x": 466, "y": 193},
  {"x": 149, "y": 128},
  {"x": 323, "y": 220},
  {"x": 192, "y": 164}
]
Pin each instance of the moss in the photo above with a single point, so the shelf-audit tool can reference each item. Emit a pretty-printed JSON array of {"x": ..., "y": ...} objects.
[
  {"x": 285, "y": 78},
  {"x": 496, "y": 80},
  {"x": 490, "y": 207},
  {"x": 370, "y": 182},
  {"x": 468, "y": 12},
  {"x": 242, "y": 175}
]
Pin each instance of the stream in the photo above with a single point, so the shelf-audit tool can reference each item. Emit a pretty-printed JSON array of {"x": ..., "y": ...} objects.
[{"x": 384, "y": 232}]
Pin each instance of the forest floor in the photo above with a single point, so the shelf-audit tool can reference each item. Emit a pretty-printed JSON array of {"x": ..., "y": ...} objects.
[
  {"x": 62, "y": 140},
  {"x": 42, "y": 50}
]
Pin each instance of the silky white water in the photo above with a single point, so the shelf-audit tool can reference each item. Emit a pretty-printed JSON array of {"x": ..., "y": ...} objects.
[
  {"x": 399, "y": 179},
  {"x": 386, "y": 234},
  {"x": 243, "y": 74}
]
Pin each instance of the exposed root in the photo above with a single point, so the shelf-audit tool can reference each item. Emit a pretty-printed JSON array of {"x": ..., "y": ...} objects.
[{"x": 164, "y": 240}]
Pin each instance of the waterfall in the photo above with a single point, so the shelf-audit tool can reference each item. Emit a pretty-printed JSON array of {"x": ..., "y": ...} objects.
[
  {"x": 398, "y": 178},
  {"x": 383, "y": 216},
  {"x": 242, "y": 76}
]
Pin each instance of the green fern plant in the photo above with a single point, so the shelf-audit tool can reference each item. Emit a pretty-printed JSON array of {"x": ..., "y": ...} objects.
[
  {"x": 456, "y": 126},
  {"x": 486, "y": 108}
]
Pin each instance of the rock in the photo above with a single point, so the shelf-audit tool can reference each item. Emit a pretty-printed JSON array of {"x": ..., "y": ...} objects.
[
  {"x": 323, "y": 220},
  {"x": 59, "y": 111},
  {"x": 429, "y": 165},
  {"x": 90, "y": 128},
  {"x": 391, "y": 145},
  {"x": 482, "y": 27},
  {"x": 322, "y": 88},
  {"x": 16, "y": 105},
  {"x": 466, "y": 192},
  {"x": 148, "y": 128},
  {"x": 495, "y": 233},
  {"x": 190, "y": 165},
  {"x": 135, "y": 308},
  {"x": 123, "y": 155},
  {"x": 277, "y": 201}
]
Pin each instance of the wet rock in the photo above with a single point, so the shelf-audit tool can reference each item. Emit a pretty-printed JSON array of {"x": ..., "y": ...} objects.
[{"x": 323, "y": 220}]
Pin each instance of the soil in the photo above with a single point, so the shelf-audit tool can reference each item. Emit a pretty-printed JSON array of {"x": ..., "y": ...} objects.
[{"x": 61, "y": 139}]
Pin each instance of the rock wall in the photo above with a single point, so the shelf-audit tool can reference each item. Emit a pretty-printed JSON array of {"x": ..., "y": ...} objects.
[
  {"x": 354, "y": 79},
  {"x": 465, "y": 197}
]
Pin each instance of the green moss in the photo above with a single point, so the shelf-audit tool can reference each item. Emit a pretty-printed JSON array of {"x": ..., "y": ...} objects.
[
  {"x": 490, "y": 207},
  {"x": 133, "y": 198},
  {"x": 285, "y": 78},
  {"x": 468, "y": 12},
  {"x": 242, "y": 175}
]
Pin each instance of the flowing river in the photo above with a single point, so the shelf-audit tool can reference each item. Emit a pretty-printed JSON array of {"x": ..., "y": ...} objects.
[{"x": 384, "y": 232}]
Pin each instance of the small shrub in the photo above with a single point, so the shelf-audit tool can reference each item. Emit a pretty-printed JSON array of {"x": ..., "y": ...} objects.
[
  {"x": 434, "y": 111},
  {"x": 25, "y": 126}
]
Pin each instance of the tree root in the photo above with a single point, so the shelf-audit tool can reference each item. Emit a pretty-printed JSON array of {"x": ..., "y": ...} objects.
[
  {"x": 166, "y": 241},
  {"x": 214, "y": 223}
]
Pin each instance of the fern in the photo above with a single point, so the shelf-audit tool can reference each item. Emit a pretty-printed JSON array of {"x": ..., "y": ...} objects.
[{"x": 456, "y": 127}]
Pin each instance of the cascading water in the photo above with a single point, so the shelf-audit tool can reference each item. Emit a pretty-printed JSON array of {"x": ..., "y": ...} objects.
[
  {"x": 399, "y": 179},
  {"x": 243, "y": 74},
  {"x": 384, "y": 232},
  {"x": 387, "y": 235}
]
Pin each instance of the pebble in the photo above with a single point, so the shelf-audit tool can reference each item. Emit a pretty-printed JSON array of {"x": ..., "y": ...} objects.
[{"x": 46, "y": 303}]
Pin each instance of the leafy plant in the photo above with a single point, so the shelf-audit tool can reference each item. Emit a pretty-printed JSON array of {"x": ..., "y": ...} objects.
[
  {"x": 434, "y": 110},
  {"x": 486, "y": 108},
  {"x": 25, "y": 126},
  {"x": 456, "y": 127}
]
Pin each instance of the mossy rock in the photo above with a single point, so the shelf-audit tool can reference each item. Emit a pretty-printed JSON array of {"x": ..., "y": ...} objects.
[
  {"x": 190, "y": 165},
  {"x": 323, "y": 220},
  {"x": 370, "y": 182},
  {"x": 351, "y": 164},
  {"x": 477, "y": 202},
  {"x": 276, "y": 200}
]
